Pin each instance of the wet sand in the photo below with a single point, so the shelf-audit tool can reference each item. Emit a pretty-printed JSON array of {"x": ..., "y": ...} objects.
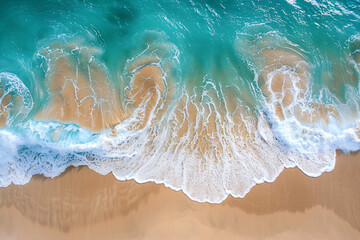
[{"x": 81, "y": 204}]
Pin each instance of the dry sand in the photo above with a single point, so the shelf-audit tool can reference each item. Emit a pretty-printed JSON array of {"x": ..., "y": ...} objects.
[{"x": 81, "y": 204}]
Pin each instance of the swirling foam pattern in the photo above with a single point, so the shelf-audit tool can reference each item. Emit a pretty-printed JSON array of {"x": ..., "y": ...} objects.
[{"x": 206, "y": 97}]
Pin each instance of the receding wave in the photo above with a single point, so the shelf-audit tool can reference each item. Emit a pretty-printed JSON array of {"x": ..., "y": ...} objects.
[{"x": 211, "y": 117}]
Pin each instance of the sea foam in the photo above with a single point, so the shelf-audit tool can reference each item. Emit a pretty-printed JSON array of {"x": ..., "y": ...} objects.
[{"x": 212, "y": 124}]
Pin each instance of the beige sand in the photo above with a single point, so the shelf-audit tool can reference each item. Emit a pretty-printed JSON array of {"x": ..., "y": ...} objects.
[
  {"x": 81, "y": 204},
  {"x": 279, "y": 88},
  {"x": 9, "y": 103},
  {"x": 146, "y": 89},
  {"x": 5, "y": 101},
  {"x": 80, "y": 92}
]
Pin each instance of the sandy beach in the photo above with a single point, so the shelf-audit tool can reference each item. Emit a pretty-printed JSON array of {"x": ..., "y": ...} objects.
[
  {"x": 167, "y": 119},
  {"x": 81, "y": 204}
]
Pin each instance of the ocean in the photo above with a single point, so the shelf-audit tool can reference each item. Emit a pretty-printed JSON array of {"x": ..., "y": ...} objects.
[{"x": 207, "y": 97}]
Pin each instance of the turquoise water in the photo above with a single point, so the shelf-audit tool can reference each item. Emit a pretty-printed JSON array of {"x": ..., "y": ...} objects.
[{"x": 210, "y": 128}]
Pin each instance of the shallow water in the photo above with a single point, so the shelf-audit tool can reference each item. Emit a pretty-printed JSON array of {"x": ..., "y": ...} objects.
[{"x": 210, "y": 97}]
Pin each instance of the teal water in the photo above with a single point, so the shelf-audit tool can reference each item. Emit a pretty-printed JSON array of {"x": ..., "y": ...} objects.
[{"x": 214, "y": 130}]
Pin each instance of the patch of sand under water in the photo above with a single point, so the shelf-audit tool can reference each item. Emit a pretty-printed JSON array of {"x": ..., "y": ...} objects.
[
  {"x": 285, "y": 81},
  {"x": 79, "y": 91}
]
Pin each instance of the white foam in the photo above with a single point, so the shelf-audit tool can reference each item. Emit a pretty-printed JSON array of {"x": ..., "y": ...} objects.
[
  {"x": 212, "y": 147},
  {"x": 11, "y": 84}
]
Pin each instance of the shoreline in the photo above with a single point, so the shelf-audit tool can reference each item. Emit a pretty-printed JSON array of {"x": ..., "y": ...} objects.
[{"x": 82, "y": 204}]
